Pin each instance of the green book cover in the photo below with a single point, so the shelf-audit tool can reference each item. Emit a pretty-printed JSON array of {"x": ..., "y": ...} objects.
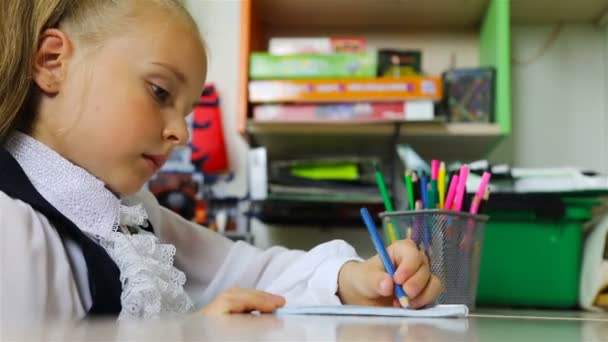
[{"x": 335, "y": 65}]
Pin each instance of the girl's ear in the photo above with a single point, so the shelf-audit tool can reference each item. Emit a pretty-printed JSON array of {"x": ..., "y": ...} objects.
[{"x": 50, "y": 61}]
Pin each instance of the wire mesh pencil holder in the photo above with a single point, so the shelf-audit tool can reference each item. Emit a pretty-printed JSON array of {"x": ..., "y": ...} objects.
[{"x": 451, "y": 240}]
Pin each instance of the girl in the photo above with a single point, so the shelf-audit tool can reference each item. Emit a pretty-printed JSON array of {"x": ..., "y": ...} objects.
[{"x": 93, "y": 95}]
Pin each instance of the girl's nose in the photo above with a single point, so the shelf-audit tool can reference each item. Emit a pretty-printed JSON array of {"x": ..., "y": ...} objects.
[{"x": 177, "y": 132}]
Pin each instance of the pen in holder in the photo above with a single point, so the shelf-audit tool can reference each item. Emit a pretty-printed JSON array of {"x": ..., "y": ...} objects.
[{"x": 452, "y": 241}]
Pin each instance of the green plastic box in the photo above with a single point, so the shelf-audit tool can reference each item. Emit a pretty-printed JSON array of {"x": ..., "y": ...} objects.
[
  {"x": 335, "y": 65},
  {"x": 531, "y": 258}
]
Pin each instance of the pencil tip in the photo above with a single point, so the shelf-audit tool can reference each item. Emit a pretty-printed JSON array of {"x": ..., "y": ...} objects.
[
  {"x": 404, "y": 302},
  {"x": 375, "y": 164}
]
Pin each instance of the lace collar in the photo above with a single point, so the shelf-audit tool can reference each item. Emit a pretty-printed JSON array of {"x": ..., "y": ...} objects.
[{"x": 77, "y": 194}]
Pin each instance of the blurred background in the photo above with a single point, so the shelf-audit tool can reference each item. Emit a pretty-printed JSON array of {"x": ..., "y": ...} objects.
[{"x": 304, "y": 96}]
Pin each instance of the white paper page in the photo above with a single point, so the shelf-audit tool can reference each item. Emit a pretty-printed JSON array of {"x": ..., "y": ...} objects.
[{"x": 451, "y": 310}]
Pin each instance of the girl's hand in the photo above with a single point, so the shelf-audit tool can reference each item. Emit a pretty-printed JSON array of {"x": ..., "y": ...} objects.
[
  {"x": 367, "y": 283},
  {"x": 241, "y": 301}
]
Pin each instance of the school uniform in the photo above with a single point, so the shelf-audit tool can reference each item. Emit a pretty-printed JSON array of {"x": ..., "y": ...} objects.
[{"x": 70, "y": 248}]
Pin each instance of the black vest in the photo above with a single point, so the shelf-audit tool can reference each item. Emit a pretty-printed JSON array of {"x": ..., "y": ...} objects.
[{"x": 103, "y": 274}]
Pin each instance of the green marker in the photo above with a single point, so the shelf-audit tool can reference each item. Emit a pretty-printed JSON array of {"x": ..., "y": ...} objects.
[
  {"x": 432, "y": 195},
  {"x": 409, "y": 187},
  {"x": 388, "y": 206}
]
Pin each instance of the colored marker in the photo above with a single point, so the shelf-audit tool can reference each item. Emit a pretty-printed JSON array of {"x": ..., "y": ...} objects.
[
  {"x": 449, "y": 200},
  {"x": 388, "y": 206},
  {"x": 441, "y": 185},
  {"x": 485, "y": 179},
  {"x": 462, "y": 187}
]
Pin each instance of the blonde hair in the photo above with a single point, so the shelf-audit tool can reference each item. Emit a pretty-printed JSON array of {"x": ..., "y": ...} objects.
[{"x": 22, "y": 22}]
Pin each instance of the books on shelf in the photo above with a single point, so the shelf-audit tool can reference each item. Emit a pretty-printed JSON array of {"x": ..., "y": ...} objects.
[
  {"x": 326, "y": 193},
  {"x": 359, "y": 111},
  {"x": 310, "y": 45},
  {"x": 346, "y": 90},
  {"x": 314, "y": 210},
  {"x": 333, "y": 65},
  {"x": 328, "y": 179},
  {"x": 340, "y": 179}
]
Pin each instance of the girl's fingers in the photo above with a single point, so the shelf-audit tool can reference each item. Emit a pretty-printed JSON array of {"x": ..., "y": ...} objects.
[
  {"x": 247, "y": 300},
  {"x": 428, "y": 295},
  {"x": 407, "y": 258},
  {"x": 415, "y": 284},
  {"x": 384, "y": 284},
  {"x": 371, "y": 282},
  {"x": 243, "y": 300}
]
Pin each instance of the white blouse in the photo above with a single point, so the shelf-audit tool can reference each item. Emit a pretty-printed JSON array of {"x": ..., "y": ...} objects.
[{"x": 177, "y": 270}]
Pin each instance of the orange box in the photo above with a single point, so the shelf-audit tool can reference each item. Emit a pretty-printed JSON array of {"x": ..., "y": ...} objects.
[{"x": 350, "y": 90}]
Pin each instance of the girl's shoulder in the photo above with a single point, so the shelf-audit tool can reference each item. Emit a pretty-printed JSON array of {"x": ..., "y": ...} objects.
[
  {"x": 22, "y": 227},
  {"x": 19, "y": 221},
  {"x": 14, "y": 209},
  {"x": 33, "y": 256}
]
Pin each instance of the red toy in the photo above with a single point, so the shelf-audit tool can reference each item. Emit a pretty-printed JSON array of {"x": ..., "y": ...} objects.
[{"x": 208, "y": 146}]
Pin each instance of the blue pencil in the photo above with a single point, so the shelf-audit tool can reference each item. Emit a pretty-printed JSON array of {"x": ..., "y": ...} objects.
[{"x": 386, "y": 260}]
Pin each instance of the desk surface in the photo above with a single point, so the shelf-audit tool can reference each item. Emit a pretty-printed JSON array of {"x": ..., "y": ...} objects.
[{"x": 484, "y": 325}]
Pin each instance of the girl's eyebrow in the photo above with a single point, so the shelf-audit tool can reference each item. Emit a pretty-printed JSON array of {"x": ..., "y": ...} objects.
[{"x": 180, "y": 76}]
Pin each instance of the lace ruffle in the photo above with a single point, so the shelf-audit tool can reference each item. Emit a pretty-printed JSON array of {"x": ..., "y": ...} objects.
[
  {"x": 133, "y": 215},
  {"x": 151, "y": 286}
]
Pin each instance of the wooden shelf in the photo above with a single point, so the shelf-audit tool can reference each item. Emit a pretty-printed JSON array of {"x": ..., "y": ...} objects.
[
  {"x": 258, "y": 128},
  {"x": 302, "y": 140},
  {"x": 465, "y": 32},
  {"x": 374, "y": 15},
  {"x": 458, "y": 33},
  {"x": 407, "y": 128},
  {"x": 449, "y": 141},
  {"x": 370, "y": 14}
]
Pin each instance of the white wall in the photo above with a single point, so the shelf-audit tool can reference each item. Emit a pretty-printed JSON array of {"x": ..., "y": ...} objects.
[
  {"x": 218, "y": 21},
  {"x": 560, "y": 101},
  {"x": 560, "y": 107}
]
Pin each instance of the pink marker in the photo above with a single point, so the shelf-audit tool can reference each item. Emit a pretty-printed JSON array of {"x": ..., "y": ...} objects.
[
  {"x": 434, "y": 169},
  {"x": 451, "y": 193},
  {"x": 485, "y": 179},
  {"x": 462, "y": 187}
]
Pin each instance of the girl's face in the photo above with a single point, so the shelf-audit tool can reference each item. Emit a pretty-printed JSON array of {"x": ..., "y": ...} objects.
[{"x": 121, "y": 107}]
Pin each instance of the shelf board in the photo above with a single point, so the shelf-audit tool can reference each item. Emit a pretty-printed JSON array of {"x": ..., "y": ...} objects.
[
  {"x": 382, "y": 128},
  {"x": 287, "y": 140},
  {"x": 370, "y": 14},
  {"x": 374, "y": 15},
  {"x": 288, "y": 212},
  {"x": 319, "y": 198},
  {"x": 450, "y": 129},
  {"x": 434, "y": 139},
  {"x": 322, "y": 128}
]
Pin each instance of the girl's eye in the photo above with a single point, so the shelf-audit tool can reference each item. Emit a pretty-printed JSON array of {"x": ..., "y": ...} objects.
[{"x": 161, "y": 95}]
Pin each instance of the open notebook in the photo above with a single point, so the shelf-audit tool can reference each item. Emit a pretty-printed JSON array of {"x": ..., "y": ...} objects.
[{"x": 451, "y": 310}]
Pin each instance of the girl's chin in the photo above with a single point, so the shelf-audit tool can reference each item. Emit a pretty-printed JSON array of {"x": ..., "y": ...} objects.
[{"x": 128, "y": 188}]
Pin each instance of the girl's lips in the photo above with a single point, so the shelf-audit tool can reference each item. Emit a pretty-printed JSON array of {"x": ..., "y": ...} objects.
[{"x": 156, "y": 161}]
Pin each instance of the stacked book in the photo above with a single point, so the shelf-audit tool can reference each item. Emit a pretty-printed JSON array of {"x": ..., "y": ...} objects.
[
  {"x": 328, "y": 190},
  {"x": 336, "y": 79}
]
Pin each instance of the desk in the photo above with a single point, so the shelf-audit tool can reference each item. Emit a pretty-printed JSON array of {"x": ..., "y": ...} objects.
[{"x": 484, "y": 325}]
